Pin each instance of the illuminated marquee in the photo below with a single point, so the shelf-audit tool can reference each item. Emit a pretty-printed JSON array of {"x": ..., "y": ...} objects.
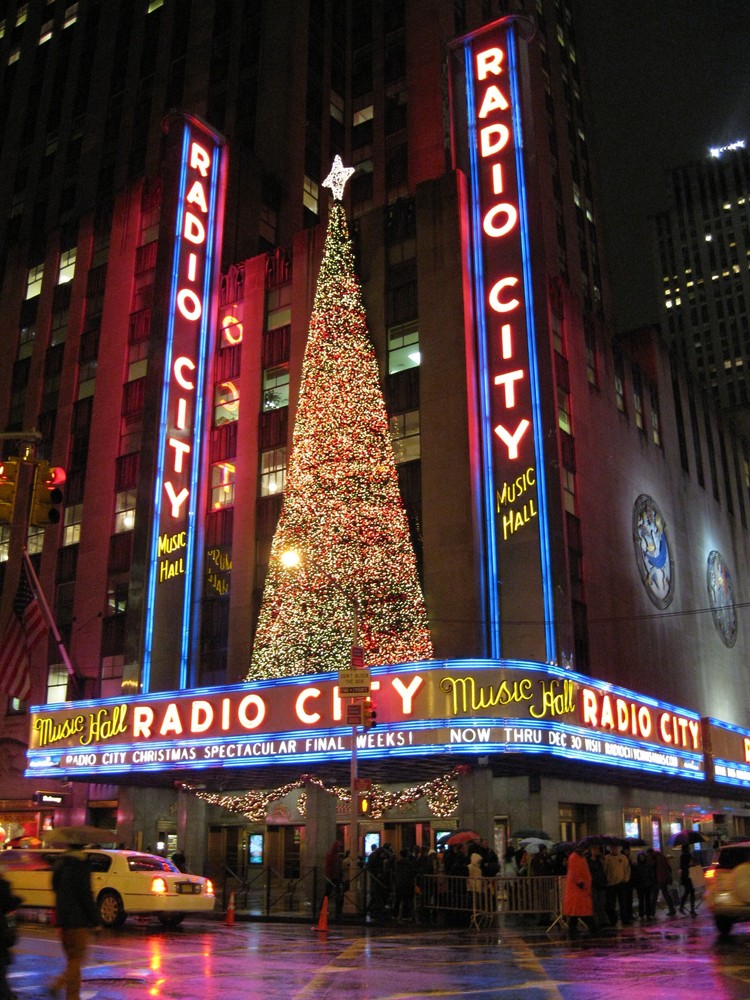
[
  {"x": 190, "y": 324},
  {"x": 471, "y": 706},
  {"x": 513, "y": 499},
  {"x": 728, "y": 756}
]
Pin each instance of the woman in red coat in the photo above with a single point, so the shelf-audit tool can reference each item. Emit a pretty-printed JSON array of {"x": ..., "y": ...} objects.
[{"x": 578, "y": 900}]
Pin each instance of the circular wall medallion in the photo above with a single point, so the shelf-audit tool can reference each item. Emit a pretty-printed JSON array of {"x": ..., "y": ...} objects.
[
  {"x": 721, "y": 598},
  {"x": 652, "y": 552}
]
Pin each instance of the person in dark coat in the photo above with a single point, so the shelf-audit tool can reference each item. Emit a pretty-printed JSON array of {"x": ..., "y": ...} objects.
[
  {"x": 404, "y": 879},
  {"x": 333, "y": 869},
  {"x": 8, "y": 902},
  {"x": 644, "y": 881},
  {"x": 664, "y": 878},
  {"x": 76, "y": 915},
  {"x": 688, "y": 889}
]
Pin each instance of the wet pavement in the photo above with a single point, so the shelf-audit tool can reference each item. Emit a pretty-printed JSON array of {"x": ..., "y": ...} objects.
[{"x": 205, "y": 960}]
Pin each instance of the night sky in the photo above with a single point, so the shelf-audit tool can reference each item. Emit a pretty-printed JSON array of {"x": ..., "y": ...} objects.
[{"x": 668, "y": 79}]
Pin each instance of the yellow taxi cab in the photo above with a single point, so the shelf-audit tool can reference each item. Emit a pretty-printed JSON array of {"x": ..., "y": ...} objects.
[{"x": 123, "y": 883}]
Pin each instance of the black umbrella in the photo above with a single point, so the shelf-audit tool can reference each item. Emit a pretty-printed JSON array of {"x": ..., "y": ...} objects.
[
  {"x": 564, "y": 847},
  {"x": 632, "y": 842},
  {"x": 686, "y": 837},
  {"x": 523, "y": 834},
  {"x": 601, "y": 840}
]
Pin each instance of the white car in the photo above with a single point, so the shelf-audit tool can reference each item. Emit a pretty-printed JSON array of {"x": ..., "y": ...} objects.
[
  {"x": 123, "y": 883},
  {"x": 727, "y": 883}
]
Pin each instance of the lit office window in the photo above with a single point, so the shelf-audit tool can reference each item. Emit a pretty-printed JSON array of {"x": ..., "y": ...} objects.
[
  {"x": 67, "y": 266},
  {"x": 272, "y": 471},
  {"x": 403, "y": 347},
  {"x": 125, "y": 511},
  {"x": 405, "y": 436},
  {"x": 72, "y": 517},
  {"x": 310, "y": 195},
  {"x": 34, "y": 281},
  {"x": 276, "y": 387},
  {"x": 223, "y": 475},
  {"x": 57, "y": 683},
  {"x": 226, "y": 403}
]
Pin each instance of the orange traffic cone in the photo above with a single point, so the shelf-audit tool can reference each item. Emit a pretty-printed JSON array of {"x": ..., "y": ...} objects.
[
  {"x": 229, "y": 919},
  {"x": 323, "y": 918}
]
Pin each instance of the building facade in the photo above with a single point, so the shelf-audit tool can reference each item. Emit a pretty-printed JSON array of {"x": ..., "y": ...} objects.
[{"x": 579, "y": 516}]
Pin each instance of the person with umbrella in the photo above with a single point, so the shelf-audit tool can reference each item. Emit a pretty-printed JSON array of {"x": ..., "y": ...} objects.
[
  {"x": 688, "y": 889},
  {"x": 76, "y": 915}
]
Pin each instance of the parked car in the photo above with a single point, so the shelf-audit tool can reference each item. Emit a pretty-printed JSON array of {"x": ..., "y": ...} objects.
[
  {"x": 123, "y": 883},
  {"x": 727, "y": 882}
]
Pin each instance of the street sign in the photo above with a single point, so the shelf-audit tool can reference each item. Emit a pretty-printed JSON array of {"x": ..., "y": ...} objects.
[
  {"x": 358, "y": 657},
  {"x": 363, "y": 784},
  {"x": 353, "y": 683},
  {"x": 354, "y": 713}
]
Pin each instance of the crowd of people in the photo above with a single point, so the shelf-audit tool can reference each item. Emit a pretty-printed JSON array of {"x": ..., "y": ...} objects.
[
  {"x": 606, "y": 889},
  {"x": 605, "y": 883}
]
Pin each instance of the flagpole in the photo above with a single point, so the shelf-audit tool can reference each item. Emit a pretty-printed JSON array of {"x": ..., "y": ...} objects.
[{"x": 37, "y": 587}]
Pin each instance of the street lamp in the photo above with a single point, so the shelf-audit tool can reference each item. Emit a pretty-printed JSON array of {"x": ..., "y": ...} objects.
[{"x": 291, "y": 559}]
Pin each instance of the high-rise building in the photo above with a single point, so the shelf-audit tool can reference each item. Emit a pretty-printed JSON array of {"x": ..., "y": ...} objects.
[
  {"x": 578, "y": 518},
  {"x": 704, "y": 252}
]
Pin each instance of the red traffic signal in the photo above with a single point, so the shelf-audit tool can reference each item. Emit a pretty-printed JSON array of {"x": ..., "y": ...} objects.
[{"x": 47, "y": 495}]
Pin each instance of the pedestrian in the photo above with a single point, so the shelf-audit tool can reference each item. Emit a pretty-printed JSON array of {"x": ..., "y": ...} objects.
[
  {"x": 664, "y": 879},
  {"x": 541, "y": 862},
  {"x": 404, "y": 879},
  {"x": 8, "y": 903},
  {"x": 333, "y": 870},
  {"x": 577, "y": 899},
  {"x": 598, "y": 884},
  {"x": 376, "y": 878},
  {"x": 179, "y": 860},
  {"x": 76, "y": 915},
  {"x": 619, "y": 893},
  {"x": 644, "y": 882},
  {"x": 688, "y": 889}
]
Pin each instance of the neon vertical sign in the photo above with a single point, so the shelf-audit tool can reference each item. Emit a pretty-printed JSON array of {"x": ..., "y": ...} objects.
[
  {"x": 519, "y": 607},
  {"x": 171, "y": 616}
]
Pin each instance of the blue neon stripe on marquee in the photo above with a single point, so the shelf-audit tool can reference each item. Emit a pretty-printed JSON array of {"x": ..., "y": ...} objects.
[{"x": 159, "y": 478}]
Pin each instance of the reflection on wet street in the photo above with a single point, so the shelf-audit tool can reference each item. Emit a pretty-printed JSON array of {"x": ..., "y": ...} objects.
[{"x": 205, "y": 960}]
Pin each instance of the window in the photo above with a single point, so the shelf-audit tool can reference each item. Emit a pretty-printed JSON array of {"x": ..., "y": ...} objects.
[
  {"x": 34, "y": 281},
  {"x": 655, "y": 417},
  {"x": 223, "y": 475},
  {"x": 46, "y": 32},
  {"x": 4, "y": 542},
  {"x": 563, "y": 410},
  {"x": 279, "y": 307},
  {"x": 405, "y": 438},
  {"x": 34, "y": 540},
  {"x": 71, "y": 15},
  {"x": 272, "y": 471},
  {"x": 638, "y": 400},
  {"x": 403, "y": 347},
  {"x": 569, "y": 490},
  {"x": 276, "y": 387},
  {"x": 67, "y": 266},
  {"x": 620, "y": 384},
  {"x": 310, "y": 195},
  {"x": 125, "y": 511},
  {"x": 137, "y": 360},
  {"x": 226, "y": 403},
  {"x": 72, "y": 517},
  {"x": 57, "y": 683}
]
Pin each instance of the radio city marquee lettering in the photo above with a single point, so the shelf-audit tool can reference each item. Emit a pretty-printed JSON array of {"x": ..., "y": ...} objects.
[
  {"x": 728, "y": 750},
  {"x": 433, "y": 707},
  {"x": 190, "y": 323},
  {"x": 499, "y": 268}
]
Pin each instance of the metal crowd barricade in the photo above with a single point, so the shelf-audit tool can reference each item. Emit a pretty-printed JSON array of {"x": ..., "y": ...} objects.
[{"x": 493, "y": 897}]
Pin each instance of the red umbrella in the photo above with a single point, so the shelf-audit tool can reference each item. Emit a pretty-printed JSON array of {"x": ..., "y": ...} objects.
[{"x": 460, "y": 837}]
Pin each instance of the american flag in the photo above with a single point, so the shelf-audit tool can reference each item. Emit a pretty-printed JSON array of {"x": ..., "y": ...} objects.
[{"x": 25, "y": 630}]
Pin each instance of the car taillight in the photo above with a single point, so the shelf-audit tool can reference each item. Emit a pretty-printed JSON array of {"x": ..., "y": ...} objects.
[
  {"x": 158, "y": 885},
  {"x": 209, "y": 887},
  {"x": 709, "y": 873}
]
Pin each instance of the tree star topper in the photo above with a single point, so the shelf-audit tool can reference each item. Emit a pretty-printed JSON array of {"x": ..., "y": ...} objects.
[{"x": 338, "y": 177}]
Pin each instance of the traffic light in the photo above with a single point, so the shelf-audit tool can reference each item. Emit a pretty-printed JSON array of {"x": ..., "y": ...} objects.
[
  {"x": 8, "y": 484},
  {"x": 47, "y": 495},
  {"x": 369, "y": 714},
  {"x": 364, "y": 804}
]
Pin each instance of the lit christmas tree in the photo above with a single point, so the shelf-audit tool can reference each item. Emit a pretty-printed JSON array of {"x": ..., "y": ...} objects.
[{"x": 342, "y": 513}]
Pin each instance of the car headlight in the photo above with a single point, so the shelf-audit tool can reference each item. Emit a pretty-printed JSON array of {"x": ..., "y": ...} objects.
[{"x": 159, "y": 886}]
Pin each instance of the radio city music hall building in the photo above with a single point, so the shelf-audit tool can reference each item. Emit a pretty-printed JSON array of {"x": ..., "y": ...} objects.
[{"x": 579, "y": 515}]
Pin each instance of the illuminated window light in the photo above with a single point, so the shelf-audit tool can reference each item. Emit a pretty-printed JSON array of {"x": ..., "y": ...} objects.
[
  {"x": 23, "y": 13},
  {"x": 71, "y": 15},
  {"x": 46, "y": 33},
  {"x": 364, "y": 115},
  {"x": 310, "y": 195},
  {"x": 154, "y": 5},
  {"x": 2, "y": 29},
  {"x": 14, "y": 57},
  {"x": 708, "y": 237},
  {"x": 668, "y": 303}
]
